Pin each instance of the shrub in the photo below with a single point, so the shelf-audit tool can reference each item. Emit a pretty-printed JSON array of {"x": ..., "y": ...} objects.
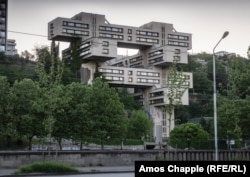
[{"x": 46, "y": 167}]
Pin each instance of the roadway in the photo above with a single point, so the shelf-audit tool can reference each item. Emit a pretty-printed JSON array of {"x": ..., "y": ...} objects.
[
  {"x": 92, "y": 171},
  {"x": 94, "y": 175}
]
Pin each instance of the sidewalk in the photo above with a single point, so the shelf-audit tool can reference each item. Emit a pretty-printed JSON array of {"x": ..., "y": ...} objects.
[{"x": 97, "y": 169}]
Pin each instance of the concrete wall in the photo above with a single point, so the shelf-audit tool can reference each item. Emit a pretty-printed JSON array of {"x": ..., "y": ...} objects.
[
  {"x": 76, "y": 158},
  {"x": 14, "y": 159}
]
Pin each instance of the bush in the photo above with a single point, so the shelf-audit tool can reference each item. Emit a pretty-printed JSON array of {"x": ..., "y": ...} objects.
[{"x": 46, "y": 167}]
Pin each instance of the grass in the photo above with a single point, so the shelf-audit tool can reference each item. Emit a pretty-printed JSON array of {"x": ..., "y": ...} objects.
[{"x": 46, "y": 167}]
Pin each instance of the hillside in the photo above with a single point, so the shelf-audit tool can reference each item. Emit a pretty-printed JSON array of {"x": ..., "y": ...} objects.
[{"x": 17, "y": 68}]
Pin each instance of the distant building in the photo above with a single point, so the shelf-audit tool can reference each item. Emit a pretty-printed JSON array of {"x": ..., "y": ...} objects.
[
  {"x": 146, "y": 72},
  {"x": 6, "y": 45},
  {"x": 3, "y": 24},
  {"x": 224, "y": 54},
  {"x": 11, "y": 47}
]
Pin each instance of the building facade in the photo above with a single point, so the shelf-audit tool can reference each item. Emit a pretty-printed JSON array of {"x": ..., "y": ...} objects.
[
  {"x": 145, "y": 73},
  {"x": 11, "y": 47},
  {"x": 8, "y": 46},
  {"x": 3, "y": 24}
]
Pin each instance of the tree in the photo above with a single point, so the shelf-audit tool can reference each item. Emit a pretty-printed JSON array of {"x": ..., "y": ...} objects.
[
  {"x": 73, "y": 63},
  {"x": 26, "y": 56},
  {"x": 221, "y": 73},
  {"x": 200, "y": 95},
  {"x": 106, "y": 111},
  {"x": 26, "y": 117},
  {"x": 229, "y": 120},
  {"x": 3, "y": 58},
  {"x": 6, "y": 125},
  {"x": 233, "y": 120},
  {"x": 81, "y": 122},
  {"x": 202, "y": 84},
  {"x": 239, "y": 76},
  {"x": 181, "y": 114},
  {"x": 139, "y": 125},
  {"x": 248, "y": 52},
  {"x": 16, "y": 68},
  {"x": 59, "y": 106},
  {"x": 244, "y": 118},
  {"x": 50, "y": 72},
  {"x": 188, "y": 135},
  {"x": 128, "y": 100},
  {"x": 176, "y": 89},
  {"x": 44, "y": 58}
]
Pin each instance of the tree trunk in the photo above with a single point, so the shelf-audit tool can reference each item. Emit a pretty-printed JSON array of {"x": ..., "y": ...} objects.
[
  {"x": 8, "y": 140},
  {"x": 30, "y": 142},
  {"x": 60, "y": 143},
  {"x": 102, "y": 144},
  {"x": 81, "y": 146}
]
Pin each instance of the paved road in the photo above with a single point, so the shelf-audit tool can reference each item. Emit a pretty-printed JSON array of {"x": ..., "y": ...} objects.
[
  {"x": 115, "y": 170},
  {"x": 96, "y": 175}
]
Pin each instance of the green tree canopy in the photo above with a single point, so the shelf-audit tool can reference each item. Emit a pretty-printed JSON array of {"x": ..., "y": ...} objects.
[
  {"x": 6, "y": 124},
  {"x": 229, "y": 115},
  {"x": 80, "y": 119},
  {"x": 26, "y": 117},
  {"x": 139, "y": 125},
  {"x": 188, "y": 135},
  {"x": 128, "y": 100},
  {"x": 107, "y": 111}
]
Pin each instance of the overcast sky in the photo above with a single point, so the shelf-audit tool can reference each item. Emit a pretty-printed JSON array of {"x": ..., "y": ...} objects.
[{"x": 206, "y": 20}]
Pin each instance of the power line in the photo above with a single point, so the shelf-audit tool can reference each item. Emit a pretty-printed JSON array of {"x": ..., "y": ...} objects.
[{"x": 27, "y": 33}]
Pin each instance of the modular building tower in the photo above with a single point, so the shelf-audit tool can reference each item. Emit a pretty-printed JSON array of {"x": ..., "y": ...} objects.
[{"x": 146, "y": 72}]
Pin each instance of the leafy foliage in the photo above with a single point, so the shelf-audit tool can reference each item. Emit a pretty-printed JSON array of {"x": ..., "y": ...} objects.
[
  {"x": 24, "y": 115},
  {"x": 107, "y": 111},
  {"x": 176, "y": 89},
  {"x": 139, "y": 125},
  {"x": 228, "y": 122},
  {"x": 127, "y": 99},
  {"x": 80, "y": 122},
  {"x": 69, "y": 109},
  {"x": 46, "y": 167},
  {"x": 188, "y": 135},
  {"x": 6, "y": 124}
]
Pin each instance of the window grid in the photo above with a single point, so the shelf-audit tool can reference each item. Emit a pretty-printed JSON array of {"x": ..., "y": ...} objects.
[
  {"x": 144, "y": 80},
  {"x": 155, "y": 53},
  {"x": 111, "y": 36},
  {"x": 151, "y": 74},
  {"x": 78, "y": 32},
  {"x": 111, "y": 29},
  {"x": 74, "y": 24},
  {"x": 175, "y": 43},
  {"x": 179, "y": 37},
  {"x": 147, "y": 33},
  {"x": 112, "y": 71}
]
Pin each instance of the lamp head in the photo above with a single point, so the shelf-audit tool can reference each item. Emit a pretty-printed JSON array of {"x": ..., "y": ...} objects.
[{"x": 225, "y": 34}]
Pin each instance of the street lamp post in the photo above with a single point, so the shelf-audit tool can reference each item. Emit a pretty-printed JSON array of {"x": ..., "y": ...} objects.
[{"x": 215, "y": 107}]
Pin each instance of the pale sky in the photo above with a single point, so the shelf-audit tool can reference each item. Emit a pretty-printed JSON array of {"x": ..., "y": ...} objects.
[{"x": 206, "y": 20}]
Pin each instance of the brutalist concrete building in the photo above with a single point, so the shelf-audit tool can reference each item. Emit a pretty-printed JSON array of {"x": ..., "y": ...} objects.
[{"x": 145, "y": 73}]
